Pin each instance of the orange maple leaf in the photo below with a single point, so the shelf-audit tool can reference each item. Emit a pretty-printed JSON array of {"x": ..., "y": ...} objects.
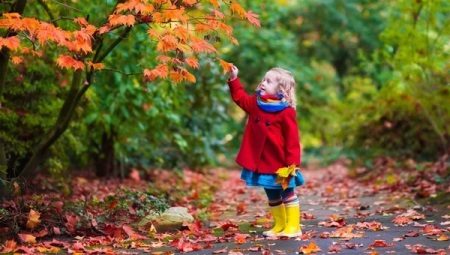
[
  {"x": 166, "y": 43},
  {"x": 9, "y": 246},
  {"x": 200, "y": 45},
  {"x": 68, "y": 62},
  {"x": 237, "y": 8},
  {"x": 11, "y": 42},
  {"x": 81, "y": 21},
  {"x": 181, "y": 33},
  {"x": 190, "y": 2},
  {"x": 310, "y": 248},
  {"x": 134, "y": 5},
  {"x": 192, "y": 62},
  {"x": 160, "y": 71},
  {"x": 225, "y": 66},
  {"x": 215, "y": 3},
  {"x": 16, "y": 60},
  {"x": 118, "y": 19}
]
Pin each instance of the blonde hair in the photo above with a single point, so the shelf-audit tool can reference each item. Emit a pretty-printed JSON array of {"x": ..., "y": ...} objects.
[{"x": 286, "y": 84}]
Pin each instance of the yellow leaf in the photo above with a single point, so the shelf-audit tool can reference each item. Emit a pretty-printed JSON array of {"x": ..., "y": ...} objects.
[
  {"x": 286, "y": 171},
  {"x": 443, "y": 237},
  {"x": 310, "y": 248},
  {"x": 33, "y": 219},
  {"x": 52, "y": 249}
]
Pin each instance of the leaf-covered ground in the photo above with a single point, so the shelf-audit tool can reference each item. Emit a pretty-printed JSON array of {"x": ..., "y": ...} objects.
[{"x": 340, "y": 215}]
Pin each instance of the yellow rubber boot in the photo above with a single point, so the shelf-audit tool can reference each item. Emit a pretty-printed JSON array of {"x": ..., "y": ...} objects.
[
  {"x": 292, "y": 228},
  {"x": 279, "y": 217}
]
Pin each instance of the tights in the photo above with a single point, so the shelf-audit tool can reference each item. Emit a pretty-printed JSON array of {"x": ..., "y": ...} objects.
[{"x": 278, "y": 196}]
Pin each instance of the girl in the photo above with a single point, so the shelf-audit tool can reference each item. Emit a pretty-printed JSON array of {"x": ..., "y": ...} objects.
[{"x": 270, "y": 150}]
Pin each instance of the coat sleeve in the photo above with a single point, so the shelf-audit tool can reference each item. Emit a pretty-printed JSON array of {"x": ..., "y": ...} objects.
[
  {"x": 240, "y": 97},
  {"x": 292, "y": 138}
]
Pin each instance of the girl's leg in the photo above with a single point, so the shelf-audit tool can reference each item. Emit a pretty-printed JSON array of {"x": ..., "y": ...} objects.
[
  {"x": 274, "y": 196},
  {"x": 278, "y": 212},
  {"x": 289, "y": 197},
  {"x": 291, "y": 203}
]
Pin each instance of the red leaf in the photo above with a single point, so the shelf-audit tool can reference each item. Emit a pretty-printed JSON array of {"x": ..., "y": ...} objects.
[
  {"x": 133, "y": 235},
  {"x": 72, "y": 221},
  {"x": 134, "y": 175},
  {"x": 253, "y": 18},
  {"x": 334, "y": 248},
  {"x": 380, "y": 243}
]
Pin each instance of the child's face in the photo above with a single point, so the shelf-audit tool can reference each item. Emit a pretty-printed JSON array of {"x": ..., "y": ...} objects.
[{"x": 268, "y": 86}]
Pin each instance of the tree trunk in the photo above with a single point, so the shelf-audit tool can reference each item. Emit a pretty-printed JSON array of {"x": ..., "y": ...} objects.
[
  {"x": 65, "y": 115},
  {"x": 105, "y": 160},
  {"x": 18, "y": 7}
]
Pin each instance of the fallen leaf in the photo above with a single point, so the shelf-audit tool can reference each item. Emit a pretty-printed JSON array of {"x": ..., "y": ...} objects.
[
  {"x": 334, "y": 248},
  {"x": 224, "y": 250},
  {"x": 9, "y": 246},
  {"x": 134, "y": 175},
  {"x": 240, "y": 238},
  {"x": 27, "y": 238},
  {"x": 33, "y": 219},
  {"x": 310, "y": 248},
  {"x": 380, "y": 243},
  {"x": 132, "y": 234},
  {"x": 442, "y": 237}
]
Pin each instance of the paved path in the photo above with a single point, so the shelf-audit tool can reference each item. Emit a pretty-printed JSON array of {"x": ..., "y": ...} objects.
[{"x": 332, "y": 205}]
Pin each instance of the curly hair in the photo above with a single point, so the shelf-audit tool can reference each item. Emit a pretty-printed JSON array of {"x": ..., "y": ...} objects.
[{"x": 286, "y": 84}]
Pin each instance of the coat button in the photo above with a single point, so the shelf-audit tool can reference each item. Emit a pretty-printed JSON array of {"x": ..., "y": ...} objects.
[{"x": 267, "y": 123}]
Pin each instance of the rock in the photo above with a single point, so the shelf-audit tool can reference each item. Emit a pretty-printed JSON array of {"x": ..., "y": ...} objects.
[{"x": 172, "y": 219}]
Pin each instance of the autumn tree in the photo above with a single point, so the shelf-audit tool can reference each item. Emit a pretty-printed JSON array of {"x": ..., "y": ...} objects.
[{"x": 182, "y": 30}]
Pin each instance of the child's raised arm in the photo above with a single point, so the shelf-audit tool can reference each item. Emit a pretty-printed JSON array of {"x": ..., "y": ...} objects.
[{"x": 240, "y": 97}]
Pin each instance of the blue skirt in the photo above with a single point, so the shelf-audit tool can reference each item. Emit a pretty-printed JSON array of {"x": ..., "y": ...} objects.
[{"x": 269, "y": 181}]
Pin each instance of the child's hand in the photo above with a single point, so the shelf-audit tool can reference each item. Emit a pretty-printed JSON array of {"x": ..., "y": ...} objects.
[{"x": 233, "y": 73}]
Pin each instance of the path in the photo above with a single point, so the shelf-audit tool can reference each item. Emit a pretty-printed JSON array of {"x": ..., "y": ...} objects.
[{"x": 333, "y": 206}]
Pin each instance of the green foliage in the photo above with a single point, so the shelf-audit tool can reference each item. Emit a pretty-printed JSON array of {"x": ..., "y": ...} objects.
[
  {"x": 157, "y": 124},
  {"x": 408, "y": 117}
]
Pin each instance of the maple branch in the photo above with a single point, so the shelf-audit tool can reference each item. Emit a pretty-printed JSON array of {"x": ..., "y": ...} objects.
[
  {"x": 113, "y": 45},
  {"x": 121, "y": 72},
  {"x": 68, "y": 6},
  {"x": 47, "y": 10}
]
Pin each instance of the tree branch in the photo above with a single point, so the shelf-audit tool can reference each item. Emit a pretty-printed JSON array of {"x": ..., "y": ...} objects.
[
  {"x": 47, "y": 10},
  {"x": 113, "y": 45}
]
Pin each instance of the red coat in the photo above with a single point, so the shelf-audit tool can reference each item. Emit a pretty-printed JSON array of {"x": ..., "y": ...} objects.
[{"x": 271, "y": 139}]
